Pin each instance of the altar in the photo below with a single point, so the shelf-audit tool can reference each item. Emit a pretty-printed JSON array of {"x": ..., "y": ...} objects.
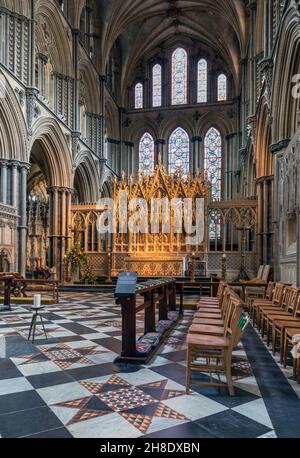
[
  {"x": 171, "y": 219},
  {"x": 163, "y": 246},
  {"x": 156, "y": 265}
]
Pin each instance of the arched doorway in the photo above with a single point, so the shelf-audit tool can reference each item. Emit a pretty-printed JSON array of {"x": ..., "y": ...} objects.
[
  {"x": 49, "y": 194},
  {"x": 38, "y": 218}
]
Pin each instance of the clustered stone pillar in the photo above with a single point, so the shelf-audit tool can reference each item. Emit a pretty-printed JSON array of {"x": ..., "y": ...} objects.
[
  {"x": 229, "y": 165},
  {"x": 113, "y": 152},
  {"x": 260, "y": 221},
  {"x": 161, "y": 153},
  {"x": 3, "y": 167},
  {"x": 195, "y": 159},
  {"x": 60, "y": 200},
  {"x": 13, "y": 192},
  {"x": 265, "y": 219},
  {"x": 128, "y": 164},
  {"x": 24, "y": 168}
]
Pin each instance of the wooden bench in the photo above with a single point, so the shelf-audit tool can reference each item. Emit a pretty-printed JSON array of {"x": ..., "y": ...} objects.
[{"x": 20, "y": 286}]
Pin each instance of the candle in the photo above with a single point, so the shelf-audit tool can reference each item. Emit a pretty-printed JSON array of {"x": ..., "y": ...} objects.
[{"x": 37, "y": 301}]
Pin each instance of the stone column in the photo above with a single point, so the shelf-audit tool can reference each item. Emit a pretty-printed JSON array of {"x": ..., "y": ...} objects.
[
  {"x": 32, "y": 36},
  {"x": 4, "y": 170},
  {"x": 160, "y": 153},
  {"x": 63, "y": 227},
  {"x": 251, "y": 9},
  {"x": 22, "y": 228},
  {"x": 60, "y": 202},
  {"x": 212, "y": 86},
  {"x": 53, "y": 211},
  {"x": 14, "y": 184},
  {"x": 102, "y": 81},
  {"x": 68, "y": 218},
  {"x": 120, "y": 143},
  {"x": 129, "y": 153},
  {"x": 266, "y": 28},
  {"x": 229, "y": 165},
  {"x": 265, "y": 220},
  {"x": 260, "y": 221},
  {"x": 195, "y": 157},
  {"x": 75, "y": 34},
  {"x": 117, "y": 154}
]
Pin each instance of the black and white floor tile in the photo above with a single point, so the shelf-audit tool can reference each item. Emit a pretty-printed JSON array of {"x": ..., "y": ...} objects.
[{"x": 67, "y": 385}]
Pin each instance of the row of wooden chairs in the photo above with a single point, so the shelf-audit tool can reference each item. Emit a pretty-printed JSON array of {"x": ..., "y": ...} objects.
[
  {"x": 214, "y": 333},
  {"x": 277, "y": 317}
]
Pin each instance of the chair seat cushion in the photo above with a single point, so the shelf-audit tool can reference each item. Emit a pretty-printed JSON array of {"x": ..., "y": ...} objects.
[
  {"x": 209, "y": 321},
  {"x": 270, "y": 307},
  {"x": 208, "y": 304},
  {"x": 208, "y": 315},
  {"x": 209, "y": 300},
  {"x": 279, "y": 313},
  {"x": 204, "y": 329},
  {"x": 207, "y": 341},
  {"x": 207, "y": 307},
  {"x": 208, "y": 310},
  {"x": 286, "y": 322},
  {"x": 257, "y": 302}
]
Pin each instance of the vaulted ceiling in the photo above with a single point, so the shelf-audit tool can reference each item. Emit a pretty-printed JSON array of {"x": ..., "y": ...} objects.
[{"x": 141, "y": 25}]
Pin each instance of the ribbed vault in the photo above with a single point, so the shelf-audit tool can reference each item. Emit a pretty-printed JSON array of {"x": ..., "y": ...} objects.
[{"x": 141, "y": 25}]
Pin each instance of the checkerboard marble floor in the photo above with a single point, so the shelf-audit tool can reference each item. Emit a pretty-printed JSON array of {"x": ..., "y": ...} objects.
[{"x": 68, "y": 386}]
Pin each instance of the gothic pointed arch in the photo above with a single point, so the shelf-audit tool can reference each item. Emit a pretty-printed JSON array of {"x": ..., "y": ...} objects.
[
  {"x": 86, "y": 178},
  {"x": 52, "y": 38},
  {"x": 285, "y": 71},
  {"x": 52, "y": 152},
  {"x": 13, "y": 129}
]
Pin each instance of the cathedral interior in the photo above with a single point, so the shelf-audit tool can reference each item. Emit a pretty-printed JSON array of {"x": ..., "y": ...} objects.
[{"x": 176, "y": 101}]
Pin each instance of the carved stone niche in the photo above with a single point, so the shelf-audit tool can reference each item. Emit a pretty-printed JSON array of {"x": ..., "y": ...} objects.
[{"x": 290, "y": 234}]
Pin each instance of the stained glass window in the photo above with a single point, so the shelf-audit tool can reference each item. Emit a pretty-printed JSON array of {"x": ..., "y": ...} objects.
[
  {"x": 157, "y": 85},
  {"x": 179, "y": 77},
  {"x": 202, "y": 81},
  {"x": 139, "y": 96},
  {"x": 222, "y": 88},
  {"x": 213, "y": 161},
  {"x": 146, "y": 154},
  {"x": 214, "y": 228},
  {"x": 179, "y": 152}
]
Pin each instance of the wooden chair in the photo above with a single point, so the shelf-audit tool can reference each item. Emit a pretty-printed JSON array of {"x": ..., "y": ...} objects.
[
  {"x": 214, "y": 329},
  {"x": 257, "y": 287},
  {"x": 275, "y": 310},
  {"x": 289, "y": 304},
  {"x": 275, "y": 303},
  {"x": 215, "y": 314},
  {"x": 267, "y": 297},
  {"x": 213, "y": 354},
  {"x": 280, "y": 326},
  {"x": 213, "y": 302}
]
